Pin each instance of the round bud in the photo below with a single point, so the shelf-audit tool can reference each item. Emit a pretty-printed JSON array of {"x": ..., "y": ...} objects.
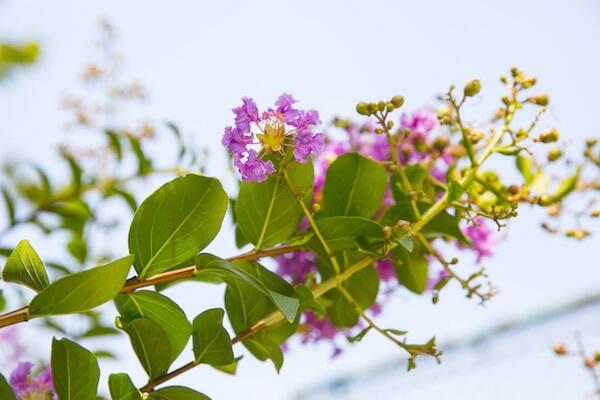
[
  {"x": 549, "y": 136},
  {"x": 589, "y": 362},
  {"x": 381, "y": 105},
  {"x": 363, "y": 108},
  {"x": 316, "y": 207},
  {"x": 397, "y": 101},
  {"x": 472, "y": 88},
  {"x": 597, "y": 356},
  {"x": 389, "y": 107},
  {"x": 554, "y": 154},
  {"x": 539, "y": 99},
  {"x": 560, "y": 349},
  {"x": 372, "y": 108}
]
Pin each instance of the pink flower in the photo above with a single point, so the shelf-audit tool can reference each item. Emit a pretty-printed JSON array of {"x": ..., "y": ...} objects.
[
  {"x": 385, "y": 269},
  {"x": 307, "y": 143},
  {"x": 482, "y": 238},
  {"x": 236, "y": 141},
  {"x": 296, "y": 265},
  {"x": 245, "y": 114},
  {"x": 253, "y": 168},
  {"x": 29, "y": 387}
]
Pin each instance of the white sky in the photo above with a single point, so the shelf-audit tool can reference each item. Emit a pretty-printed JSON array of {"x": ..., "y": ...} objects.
[{"x": 198, "y": 58}]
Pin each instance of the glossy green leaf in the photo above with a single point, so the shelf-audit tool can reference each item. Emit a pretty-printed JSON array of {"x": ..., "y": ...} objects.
[
  {"x": 354, "y": 186},
  {"x": 308, "y": 301},
  {"x": 341, "y": 232},
  {"x": 411, "y": 268},
  {"x": 266, "y": 349},
  {"x": 82, "y": 291},
  {"x": 212, "y": 344},
  {"x": 75, "y": 371},
  {"x": 6, "y": 392},
  {"x": 177, "y": 393},
  {"x": 267, "y": 212},
  {"x": 176, "y": 222},
  {"x": 122, "y": 388},
  {"x": 267, "y": 282},
  {"x": 151, "y": 345},
  {"x": 25, "y": 266},
  {"x": 525, "y": 166},
  {"x": 160, "y": 309}
]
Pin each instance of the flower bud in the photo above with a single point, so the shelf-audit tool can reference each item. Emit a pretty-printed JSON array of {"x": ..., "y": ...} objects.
[
  {"x": 521, "y": 134},
  {"x": 539, "y": 99},
  {"x": 372, "y": 107},
  {"x": 363, "y": 108},
  {"x": 316, "y": 207},
  {"x": 472, "y": 88},
  {"x": 397, "y": 101},
  {"x": 381, "y": 106},
  {"x": 390, "y": 124},
  {"x": 591, "y": 142},
  {"x": 444, "y": 115},
  {"x": 473, "y": 135},
  {"x": 387, "y": 232},
  {"x": 554, "y": 154},
  {"x": 595, "y": 214},
  {"x": 549, "y": 136},
  {"x": 560, "y": 349},
  {"x": 597, "y": 356},
  {"x": 441, "y": 142},
  {"x": 389, "y": 107},
  {"x": 589, "y": 362}
]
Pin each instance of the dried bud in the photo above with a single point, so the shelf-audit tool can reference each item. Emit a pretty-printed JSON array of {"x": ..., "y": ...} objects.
[
  {"x": 387, "y": 232},
  {"x": 363, "y": 108},
  {"x": 595, "y": 214},
  {"x": 560, "y": 349},
  {"x": 549, "y": 136},
  {"x": 529, "y": 82},
  {"x": 397, "y": 101},
  {"x": 472, "y": 88},
  {"x": 521, "y": 134},
  {"x": 591, "y": 142},
  {"x": 539, "y": 99},
  {"x": 403, "y": 226},
  {"x": 554, "y": 154},
  {"x": 441, "y": 142},
  {"x": 589, "y": 362},
  {"x": 514, "y": 189},
  {"x": 577, "y": 233},
  {"x": 473, "y": 135},
  {"x": 597, "y": 356}
]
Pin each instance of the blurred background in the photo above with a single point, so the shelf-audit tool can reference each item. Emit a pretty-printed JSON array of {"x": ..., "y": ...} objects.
[{"x": 196, "y": 59}]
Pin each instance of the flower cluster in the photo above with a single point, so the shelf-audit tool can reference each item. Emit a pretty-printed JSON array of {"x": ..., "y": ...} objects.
[
  {"x": 256, "y": 137},
  {"x": 26, "y": 386}
]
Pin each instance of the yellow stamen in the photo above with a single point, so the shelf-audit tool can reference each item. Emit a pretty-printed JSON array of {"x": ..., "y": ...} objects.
[{"x": 273, "y": 136}]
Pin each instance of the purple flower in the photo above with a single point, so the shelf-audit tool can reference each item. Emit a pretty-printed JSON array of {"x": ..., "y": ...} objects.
[
  {"x": 482, "y": 238},
  {"x": 307, "y": 143},
  {"x": 420, "y": 123},
  {"x": 29, "y": 387},
  {"x": 245, "y": 114},
  {"x": 296, "y": 265},
  {"x": 306, "y": 119},
  {"x": 253, "y": 168},
  {"x": 385, "y": 269},
  {"x": 318, "y": 329},
  {"x": 235, "y": 140},
  {"x": 285, "y": 108}
]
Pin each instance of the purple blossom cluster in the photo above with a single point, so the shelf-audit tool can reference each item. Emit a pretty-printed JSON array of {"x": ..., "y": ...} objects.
[
  {"x": 27, "y": 386},
  {"x": 256, "y": 136}
]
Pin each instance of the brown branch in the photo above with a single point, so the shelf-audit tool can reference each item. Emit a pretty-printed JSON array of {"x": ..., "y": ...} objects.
[{"x": 132, "y": 284}]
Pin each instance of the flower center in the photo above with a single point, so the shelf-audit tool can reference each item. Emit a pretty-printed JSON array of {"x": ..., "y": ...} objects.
[{"x": 273, "y": 135}]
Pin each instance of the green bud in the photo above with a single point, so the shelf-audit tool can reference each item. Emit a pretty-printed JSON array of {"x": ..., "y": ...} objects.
[
  {"x": 472, "y": 88},
  {"x": 397, "y": 101},
  {"x": 389, "y": 107},
  {"x": 381, "y": 105},
  {"x": 390, "y": 124},
  {"x": 539, "y": 99},
  {"x": 529, "y": 82},
  {"x": 372, "y": 108},
  {"x": 554, "y": 154},
  {"x": 549, "y": 136},
  {"x": 363, "y": 108}
]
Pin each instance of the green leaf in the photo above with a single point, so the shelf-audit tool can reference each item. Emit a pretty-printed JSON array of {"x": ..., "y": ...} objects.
[
  {"x": 150, "y": 343},
  {"x": 267, "y": 212},
  {"x": 565, "y": 187},
  {"x": 354, "y": 186},
  {"x": 76, "y": 171},
  {"x": 212, "y": 344},
  {"x": 122, "y": 388},
  {"x": 363, "y": 286},
  {"x": 176, "y": 222},
  {"x": 82, "y": 291},
  {"x": 525, "y": 166},
  {"x": 230, "y": 369},
  {"x": 25, "y": 266},
  {"x": 77, "y": 247},
  {"x": 411, "y": 268},
  {"x": 10, "y": 205},
  {"x": 341, "y": 232},
  {"x": 266, "y": 349},
  {"x": 260, "y": 278},
  {"x": 406, "y": 242},
  {"x": 114, "y": 142},
  {"x": 160, "y": 309},
  {"x": 99, "y": 331},
  {"x": 455, "y": 190},
  {"x": 177, "y": 393},
  {"x": 6, "y": 392},
  {"x": 360, "y": 335},
  {"x": 144, "y": 163},
  {"x": 75, "y": 371},
  {"x": 308, "y": 301}
]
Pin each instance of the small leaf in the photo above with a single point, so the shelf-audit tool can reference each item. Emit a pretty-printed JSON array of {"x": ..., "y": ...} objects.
[
  {"x": 6, "y": 392},
  {"x": 455, "y": 190},
  {"x": 406, "y": 242},
  {"x": 82, "y": 291},
  {"x": 176, "y": 222},
  {"x": 212, "y": 344},
  {"x": 266, "y": 349},
  {"x": 177, "y": 393},
  {"x": 160, "y": 309},
  {"x": 75, "y": 371},
  {"x": 412, "y": 268},
  {"x": 307, "y": 300},
  {"x": 76, "y": 171},
  {"x": 25, "y": 266},
  {"x": 230, "y": 369},
  {"x": 122, "y": 388},
  {"x": 99, "y": 331},
  {"x": 144, "y": 163},
  {"x": 10, "y": 205},
  {"x": 360, "y": 335},
  {"x": 114, "y": 142},
  {"x": 151, "y": 345}
]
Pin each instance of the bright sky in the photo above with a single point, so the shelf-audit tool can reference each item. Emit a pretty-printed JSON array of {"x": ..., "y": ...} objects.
[{"x": 198, "y": 58}]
